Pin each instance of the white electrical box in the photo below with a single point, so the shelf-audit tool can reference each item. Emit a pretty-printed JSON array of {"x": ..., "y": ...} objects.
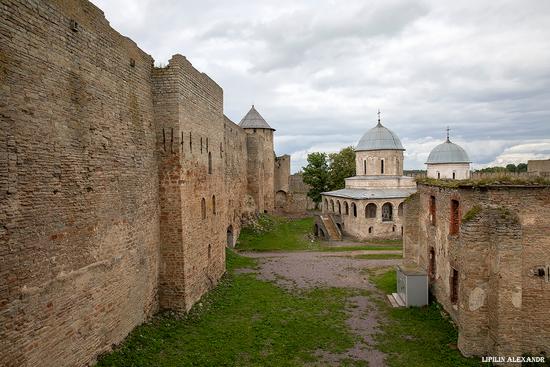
[{"x": 412, "y": 286}]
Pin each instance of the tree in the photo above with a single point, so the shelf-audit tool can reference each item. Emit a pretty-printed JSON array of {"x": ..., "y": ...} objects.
[
  {"x": 511, "y": 167},
  {"x": 316, "y": 175},
  {"x": 522, "y": 167},
  {"x": 341, "y": 165}
]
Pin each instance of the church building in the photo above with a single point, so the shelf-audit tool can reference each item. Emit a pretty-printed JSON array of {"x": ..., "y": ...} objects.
[
  {"x": 371, "y": 204},
  {"x": 448, "y": 161}
]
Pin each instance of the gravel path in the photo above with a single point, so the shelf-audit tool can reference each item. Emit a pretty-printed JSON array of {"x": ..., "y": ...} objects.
[{"x": 304, "y": 270}]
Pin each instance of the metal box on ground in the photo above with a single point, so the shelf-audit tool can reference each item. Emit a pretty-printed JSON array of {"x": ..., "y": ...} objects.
[{"x": 412, "y": 286}]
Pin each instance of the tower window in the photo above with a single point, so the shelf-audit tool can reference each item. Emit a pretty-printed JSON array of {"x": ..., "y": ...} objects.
[
  {"x": 382, "y": 166},
  {"x": 454, "y": 286},
  {"x": 365, "y": 166},
  {"x": 203, "y": 208},
  {"x": 454, "y": 175},
  {"x": 209, "y": 162}
]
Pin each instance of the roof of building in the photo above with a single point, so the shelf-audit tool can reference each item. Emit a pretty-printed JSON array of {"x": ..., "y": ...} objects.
[
  {"x": 359, "y": 194},
  {"x": 253, "y": 120},
  {"x": 448, "y": 152},
  {"x": 379, "y": 138}
]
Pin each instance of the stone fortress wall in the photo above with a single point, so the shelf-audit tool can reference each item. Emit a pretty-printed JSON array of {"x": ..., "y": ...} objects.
[
  {"x": 484, "y": 248},
  {"x": 120, "y": 183}
]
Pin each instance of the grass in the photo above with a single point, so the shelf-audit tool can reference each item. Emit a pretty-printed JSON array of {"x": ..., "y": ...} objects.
[
  {"x": 278, "y": 234},
  {"x": 490, "y": 181},
  {"x": 378, "y": 256},
  {"x": 417, "y": 336},
  {"x": 243, "y": 322}
]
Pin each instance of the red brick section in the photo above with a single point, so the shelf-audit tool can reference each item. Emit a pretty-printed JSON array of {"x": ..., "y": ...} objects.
[{"x": 502, "y": 305}]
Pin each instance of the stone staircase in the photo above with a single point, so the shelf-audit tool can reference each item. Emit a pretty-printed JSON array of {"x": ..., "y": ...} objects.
[{"x": 328, "y": 227}]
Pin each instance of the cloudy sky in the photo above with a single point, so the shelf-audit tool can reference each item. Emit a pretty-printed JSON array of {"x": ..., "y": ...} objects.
[{"x": 318, "y": 70}]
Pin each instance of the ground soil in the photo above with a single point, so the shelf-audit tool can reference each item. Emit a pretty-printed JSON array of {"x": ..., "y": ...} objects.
[{"x": 305, "y": 270}]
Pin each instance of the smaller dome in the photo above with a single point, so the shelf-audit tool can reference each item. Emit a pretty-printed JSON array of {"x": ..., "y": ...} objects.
[
  {"x": 448, "y": 152},
  {"x": 379, "y": 138}
]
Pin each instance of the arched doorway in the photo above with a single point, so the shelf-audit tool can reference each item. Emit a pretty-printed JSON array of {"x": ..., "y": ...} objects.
[
  {"x": 280, "y": 199},
  {"x": 230, "y": 240}
]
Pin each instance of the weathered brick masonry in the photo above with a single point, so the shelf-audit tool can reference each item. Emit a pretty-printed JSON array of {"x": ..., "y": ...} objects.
[
  {"x": 120, "y": 183},
  {"x": 499, "y": 301}
]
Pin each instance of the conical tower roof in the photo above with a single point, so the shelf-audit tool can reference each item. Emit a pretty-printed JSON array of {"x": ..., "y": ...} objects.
[{"x": 253, "y": 120}]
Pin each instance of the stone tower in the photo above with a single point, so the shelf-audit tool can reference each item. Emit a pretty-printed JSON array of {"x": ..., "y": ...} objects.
[{"x": 261, "y": 160}]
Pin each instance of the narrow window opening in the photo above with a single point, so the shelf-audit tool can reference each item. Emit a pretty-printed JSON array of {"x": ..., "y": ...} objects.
[
  {"x": 209, "y": 163},
  {"x": 455, "y": 217},
  {"x": 209, "y": 251},
  {"x": 382, "y": 166},
  {"x": 214, "y": 204},
  {"x": 432, "y": 210},
  {"x": 438, "y": 175},
  {"x": 354, "y": 209},
  {"x": 431, "y": 267},
  {"x": 163, "y": 140},
  {"x": 339, "y": 207},
  {"x": 454, "y": 286},
  {"x": 454, "y": 175},
  {"x": 190, "y": 142},
  {"x": 370, "y": 229},
  {"x": 346, "y": 208},
  {"x": 203, "y": 208},
  {"x": 201, "y": 145},
  {"x": 332, "y": 206},
  {"x": 365, "y": 167}
]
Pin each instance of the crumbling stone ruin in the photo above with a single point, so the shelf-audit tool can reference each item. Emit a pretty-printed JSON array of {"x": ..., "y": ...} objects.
[
  {"x": 121, "y": 183},
  {"x": 486, "y": 249}
]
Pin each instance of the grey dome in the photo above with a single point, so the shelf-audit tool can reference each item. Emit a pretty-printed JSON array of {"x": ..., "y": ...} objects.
[
  {"x": 448, "y": 152},
  {"x": 253, "y": 120},
  {"x": 379, "y": 138}
]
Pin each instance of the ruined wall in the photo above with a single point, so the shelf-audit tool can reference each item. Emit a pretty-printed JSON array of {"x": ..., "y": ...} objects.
[
  {"x": 538, "y": 166},
  {"x": 281, "y": 181},
  {"x": 297, "y": 199},
  {"x": 79, "y": 212},
  {"x": 503, "y": 238}
]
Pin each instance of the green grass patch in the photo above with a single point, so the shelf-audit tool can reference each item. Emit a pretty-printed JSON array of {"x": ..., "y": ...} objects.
[
  {"x": 362, "y": 248},
  {"x": 378, "y": 256},
  {"x": 242, "y": 322},
  {"x": 416, "y": 336},
  {"x": 278, "y": 234}
]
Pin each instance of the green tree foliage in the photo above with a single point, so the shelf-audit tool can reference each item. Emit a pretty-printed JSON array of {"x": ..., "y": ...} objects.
[
  {"x": 341, "y": 165},
  {"x": 521, "y": 167},
  {"x": 316, "y": 175}
]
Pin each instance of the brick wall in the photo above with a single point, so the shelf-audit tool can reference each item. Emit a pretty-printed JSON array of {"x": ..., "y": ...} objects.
[
  {"x": 105, "y": 165},
  {"x": 79, "y": 205}
]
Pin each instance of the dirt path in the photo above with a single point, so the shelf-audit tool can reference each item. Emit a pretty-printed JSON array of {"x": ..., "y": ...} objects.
[{"x": 336, "y": 269}]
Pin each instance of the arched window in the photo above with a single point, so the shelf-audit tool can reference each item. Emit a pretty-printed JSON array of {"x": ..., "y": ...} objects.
[
  {"x": 332, "y": 206},
  {"x": 370, "y": 230},
  {"x": 382, "y": 166},
  {"x": 400, "y": 210},
  {"x": 214, "y": 204},
  {"x": 454, "y": 175},
  {"x": 387, "y": 212},
  {"x": 438, "y": 175},
  {"x": 203, "y": 208},
  {"x": 370, "y": 210},
  {"x": 339, "y": 207},
  {"x": 326, "y": 205},
  {"x": 209, "y": 163},
  {"x": 365, "y": 166},
  {"x": 346, "y": 208},
  {"x": 354, "y": 209}
]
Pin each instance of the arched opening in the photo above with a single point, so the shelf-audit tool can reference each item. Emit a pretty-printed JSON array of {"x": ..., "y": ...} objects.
[
  {"x": 387, "y": 212},
  {"x": 438, "y": 175},
  {"x": 332, "y": 206},
  {"x": 203, "y": 208},
  {"x": 382, "y": 166},
  {"x": 280, "y": 199},
  {"x": 370, "y": 230},
  {"x": 400, "y": 210},
  {"x": 346, "y": 208},
  {"x": 326, "y": 205},
  {"x": 339, "y": 207},
  {"x": 214, "y": 204},
  {"x": 370, "y": 210},
  {"x": 209, "y": 163},
  {"x": 454, "y": 175},
  {"x": 230, "y": 239},
  {"x": 354, "y": 209},
  {"x": 393, "y": 228}
]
